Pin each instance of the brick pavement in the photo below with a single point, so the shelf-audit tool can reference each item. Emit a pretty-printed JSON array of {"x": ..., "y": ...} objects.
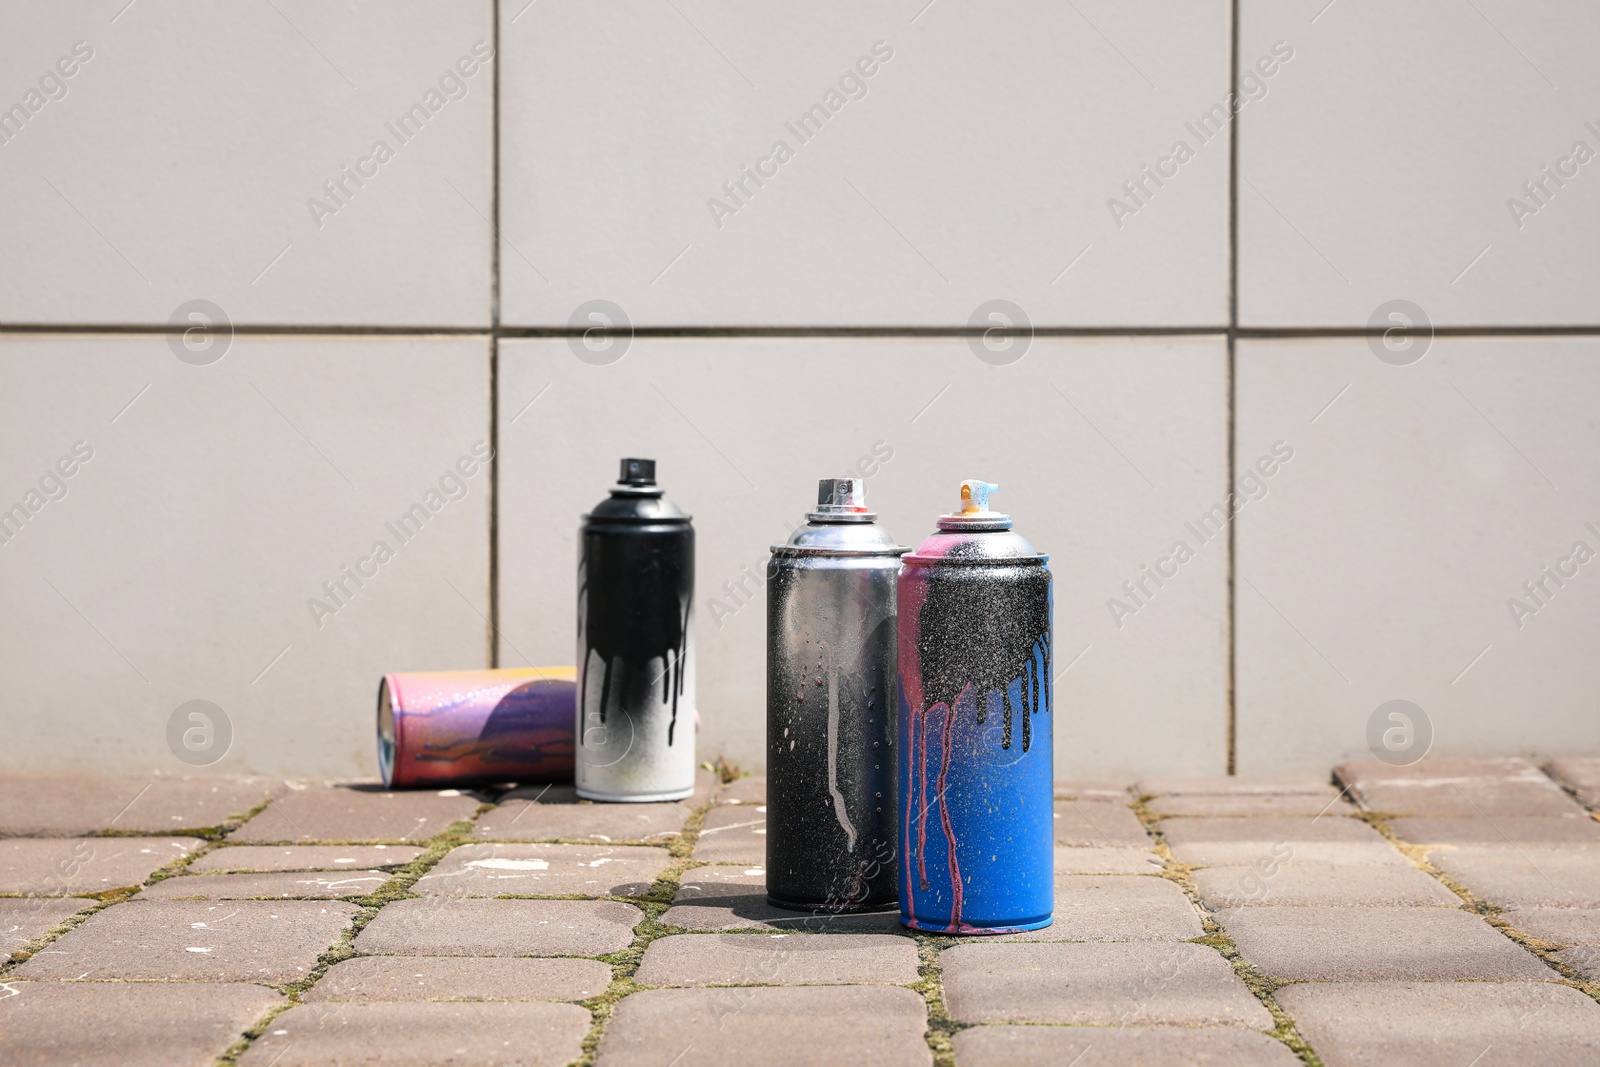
[{"x": 1429, "y": 914}]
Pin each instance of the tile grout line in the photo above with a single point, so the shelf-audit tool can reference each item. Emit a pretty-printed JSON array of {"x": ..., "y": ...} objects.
[
  {"x": 493, "y": 619},
  {"x": 1261, "y": 986},
  {"x": 1232, "y": 388},
  {"x": 1248, "y": 333}
]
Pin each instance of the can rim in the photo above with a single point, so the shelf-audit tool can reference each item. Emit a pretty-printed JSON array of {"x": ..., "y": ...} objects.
[
  {"x": 980, "y": 561},
  {"x": 851, "y": 553},
  {"x": 388, "y": 739}
]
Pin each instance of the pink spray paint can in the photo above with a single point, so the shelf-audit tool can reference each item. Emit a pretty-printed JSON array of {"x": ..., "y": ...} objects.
[{"x": 468, "y": 728}]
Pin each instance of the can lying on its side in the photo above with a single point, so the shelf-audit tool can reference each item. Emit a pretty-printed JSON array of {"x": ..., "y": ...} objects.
[
  {"x": 830, "y": 709},
  {"x": 467, "y": 728},
  {"x": 974, "y": 732}
]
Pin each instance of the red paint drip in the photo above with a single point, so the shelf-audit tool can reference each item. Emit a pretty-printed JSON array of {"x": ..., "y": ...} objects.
[
  {"x": 905, "y": 821},
  {"x": 944, "y": 812}
]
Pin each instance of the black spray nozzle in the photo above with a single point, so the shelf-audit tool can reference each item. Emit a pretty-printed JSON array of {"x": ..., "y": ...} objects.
[{"x": 639, "y": 472}]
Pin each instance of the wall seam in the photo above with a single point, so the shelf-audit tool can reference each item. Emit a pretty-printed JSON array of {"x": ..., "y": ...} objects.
[
  {"x": 493, "y": 619},
  {"x": 1233, "y": 377}
]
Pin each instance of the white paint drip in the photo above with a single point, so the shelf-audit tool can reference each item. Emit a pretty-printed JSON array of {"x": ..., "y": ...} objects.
[
  {"x": 833, "y": 757},
  {"x": 498, "y": 864}
]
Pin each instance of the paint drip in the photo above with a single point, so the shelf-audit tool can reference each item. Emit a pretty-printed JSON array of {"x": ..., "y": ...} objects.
[
  {"x": 635, "y": 709},
  {"x": 975, "y": 727}
]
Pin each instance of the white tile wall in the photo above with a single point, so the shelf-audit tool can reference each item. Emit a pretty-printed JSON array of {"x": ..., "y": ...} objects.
[
  {"x": 180, "y": 562},
  {"x": 1381, "y": 162},
  {"x": 1102, "y": 447},
  {"x": 977, "y": 164},
  {"x": 181, "y": 162},
  {"x": 1382, "y": 563},
  {"x": 990, "y": 154}
]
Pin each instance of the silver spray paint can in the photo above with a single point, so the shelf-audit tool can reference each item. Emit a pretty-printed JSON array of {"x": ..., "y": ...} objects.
[
  {"x": 830, "y": 709},
  {"x": 636, "y": 711}
]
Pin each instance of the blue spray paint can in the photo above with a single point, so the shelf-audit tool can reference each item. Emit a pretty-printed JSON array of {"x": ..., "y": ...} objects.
[{"x": 974, "y": 737}]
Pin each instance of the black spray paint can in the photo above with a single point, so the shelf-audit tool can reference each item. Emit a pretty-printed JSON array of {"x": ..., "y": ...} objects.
[
  {"x": 976, "y": 772},
  {"x": 830, "y": 709},
  {"x": 636, "y": 711}
]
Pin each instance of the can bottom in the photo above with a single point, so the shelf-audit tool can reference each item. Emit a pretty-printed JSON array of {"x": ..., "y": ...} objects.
[
  {"x": 979, "y": 931},
  {"x": 635, "y": 798},
  {"x": 832, "y": 909}
]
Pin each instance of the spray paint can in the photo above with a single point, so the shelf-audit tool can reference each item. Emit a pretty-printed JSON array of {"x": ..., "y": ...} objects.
[
  {"x": 830, "y": 697},
  {"x": 974, "y": 727},
  {"x": 636, "y": 712},
  {"x": 469, "y": 728}
]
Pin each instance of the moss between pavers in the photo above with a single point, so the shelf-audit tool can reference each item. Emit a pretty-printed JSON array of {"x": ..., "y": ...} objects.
[
  {"x": 942, "y": 1029},
  {"x": 625, "y": 964},
  {"x": 208, "y": 833},
  {"x": 398, "y": 887},
  {"x": 1492, "y": 914},
  {"x": 105, "y": 898},
  {"x": 1260, "y": 985}
]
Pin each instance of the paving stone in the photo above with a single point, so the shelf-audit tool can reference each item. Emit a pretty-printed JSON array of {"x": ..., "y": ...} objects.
[
  {"x": 1098, "y": 823},
  {"x": 1566, "y": 926},
  {"x": 271, "y": 885},
  {"x": 357, "y": 812},
  {"x": 1483, "y": 787},
  {"x": 1252, "y": 804},
  {"x": 125, "y": 1024},
  {"x": 271, "y": 942},
  {"x": 1585, "y": 959},
  {"x": 411, "y": 978},
  {"x": 1083, "y": 789},
  {"x": 58, "y": 866},
  {"x": 1581, "y": 775},
  {"x": 1239, "y": 786},
  {"x": 58, "y": 804},
  {"x": 1577, "y": 928},
  {"x": 1335, "y": 884},
  {"x": 721, "y": 880},
  {"x": 1131, "y": 1046},
  {"x": 487, "y": 1035},
  {"x": 707, "y": 786},
  {"x": 1299, "y": 943},
  {"x": 796, "y": 1026},
  {"x": 734, "y": 834},
  {"x": 1254, "y": 841},
  {"x": 25, "y": 921},
  {"x": 1525, "y": 875},
  {"x": 1446, "y": 1024},
  {"x": 555, "y": 812},
  {"x": 1116, "y": 908},
  {"x": 1457, "y": 768},
  {"x": 1574, "y": 829},
  {"x": 451, "y": 926},
  {"x": 1106, "y": 861},
  {"x": 779, "y": 959},
  {"x": 545, "y": 870},
  {"x": 734, "y": 897},
  {"x": 751, "y": 790},
  {"x": 752, "y": 912},
  {"x": 305, "y": 857},
  {"x": 1175, "y": 984}
]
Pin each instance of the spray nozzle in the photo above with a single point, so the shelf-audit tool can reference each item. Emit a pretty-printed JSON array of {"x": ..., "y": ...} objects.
[
  {"x": 975, "y": 496},
  {"x": 639, "y": 473},
  {"x": 841, "y": 500},
  {"x": 842, "y": 494}
]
